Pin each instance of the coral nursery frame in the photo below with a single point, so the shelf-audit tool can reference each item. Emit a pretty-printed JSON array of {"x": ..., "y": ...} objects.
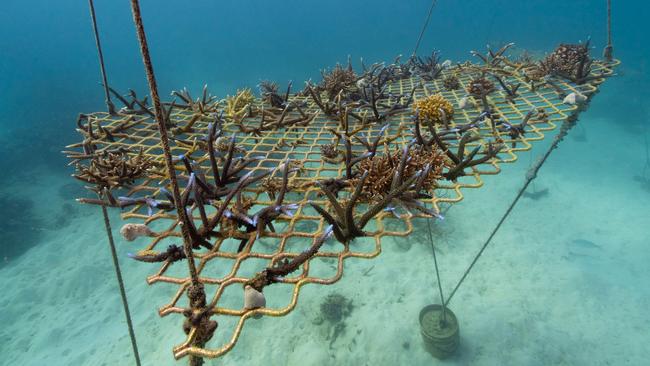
[{"x": 280, "y": 150}]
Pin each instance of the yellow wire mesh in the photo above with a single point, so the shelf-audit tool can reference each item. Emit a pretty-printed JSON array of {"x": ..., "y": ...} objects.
[{"x": 222, "y": 267}]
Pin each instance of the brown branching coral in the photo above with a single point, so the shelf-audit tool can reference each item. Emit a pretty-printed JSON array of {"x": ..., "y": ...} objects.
[
  {"x": 451, "y": 82},
  {"x": 569, "y": 61},
  {"x": 330, "y": 153},
  {"x": 374, "y": 97},
  {"x": 480, "y": 87},
  {"x": 108, "y": 170},
  {"x": 339, "y": 80},
  {"x": 270, "y": 94},
  {"x": 365, "y": 98},
  {"x": 428, "y": 68},
  {"x": 269, "y": 90},
  {"x": 434, "y": 109},
  {"x": 395, "y": 169},
  {"x": 404, "y": 189},
  {"x": 534, "y": 73},
  {"x": 524, "y": 57},
  {"x": 398, "y": 70},
  {"x": 382, "y": 168},
  {"x": 204, "y": 104}
]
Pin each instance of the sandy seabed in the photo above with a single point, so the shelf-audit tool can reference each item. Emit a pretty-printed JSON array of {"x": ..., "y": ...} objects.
[{"x": 564, "y": 282}]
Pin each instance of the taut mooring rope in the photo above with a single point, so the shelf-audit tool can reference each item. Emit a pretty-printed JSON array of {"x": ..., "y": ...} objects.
[
  {"x": 530, "y": 175},
  {"x": 424, "y": 27},
  {"x": 609, "y": 49},
  {"x": 107, "y": 223},
  {"x": 120, "y": 282},
  {"x": 435, "y": 263},
  {"x": 164, "y": 139},
  {"x": 109, "y": 103},
  {"x": 195, "y": 291},
  {"x": 646, "y": 167}
]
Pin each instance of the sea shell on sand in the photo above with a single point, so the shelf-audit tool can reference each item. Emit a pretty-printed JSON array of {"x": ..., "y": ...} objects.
[
  {"x": 131, "y": 231},
  {"x": 253, "y": 299},
  {"x": 574, "y": 98}
]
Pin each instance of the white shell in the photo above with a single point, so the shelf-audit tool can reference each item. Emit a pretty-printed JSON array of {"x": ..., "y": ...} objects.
[
  {"x": 463, "y": 103},
  {"x": 574, "y": 98},
  {"x": 362, "y": 83},
  {"x": 131, "y": 231},
  {"x": 253, "y": 299}
]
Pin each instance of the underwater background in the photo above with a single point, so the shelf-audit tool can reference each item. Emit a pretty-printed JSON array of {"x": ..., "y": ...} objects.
[{"x": 564, "y": 283}]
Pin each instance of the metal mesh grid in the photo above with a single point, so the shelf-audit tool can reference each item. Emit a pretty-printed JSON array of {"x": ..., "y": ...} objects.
[{"x": 222, "y": 267}]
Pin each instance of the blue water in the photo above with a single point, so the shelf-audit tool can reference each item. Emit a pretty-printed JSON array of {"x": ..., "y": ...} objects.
[{"x": 49, "y": 73}]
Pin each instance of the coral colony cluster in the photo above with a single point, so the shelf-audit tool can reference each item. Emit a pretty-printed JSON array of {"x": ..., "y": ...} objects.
[{"x": 342, "y": 154}]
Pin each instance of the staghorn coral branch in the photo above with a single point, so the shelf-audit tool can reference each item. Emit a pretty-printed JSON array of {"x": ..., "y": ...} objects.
[
  {"x": 443, "y": 146},
  {"x": 344, "y": 226},
  {"x": 206, "y": 231},
  {"x": 333, "y": 199},
  {"x": 372, "y": 147},
  {"x": 295, "y": 263},
  {"x": 277, "y": 272},
  {"x": 173, "y": 254},
  {"x": 491, "y": 58},
  {"x": 469, "y": 161},
  {"x": 510, "y": 90},
  {"x": 351, "y": 160},
  {"x": 212, "y": 135},
  {"x": 338, "y": 232},
  {"x": 226, "y": 165},
  {"x": 265, "y": 217},
  {"x": 327, "y": 107},
  {"x": 349, "y": 209},
  {"x": 517, "y": 131}
]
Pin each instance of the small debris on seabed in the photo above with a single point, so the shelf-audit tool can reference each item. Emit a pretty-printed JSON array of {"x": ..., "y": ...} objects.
[{"x": 333, "y": 311}]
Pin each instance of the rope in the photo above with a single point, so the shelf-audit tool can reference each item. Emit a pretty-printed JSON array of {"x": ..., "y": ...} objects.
[
  {"x": 609, "y": 49},
  {"x": 164, "y": 139},
  {"x": 107, "y": 223},
  {"x": 424, "y": 27},
  {"x": 118, "y": 273},
  {"x": 109, "y": 103},
  {"x": 530, "y": 164},
  {"x": 435, "y": 263},
  {"x": 531, "y": 174},
  {"x": 646, "y": 167},
  {"x": 196, "y": 292}
]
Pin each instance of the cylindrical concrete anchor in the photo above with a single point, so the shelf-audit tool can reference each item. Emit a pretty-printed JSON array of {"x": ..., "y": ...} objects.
[{"x": 441, "y": 339}]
